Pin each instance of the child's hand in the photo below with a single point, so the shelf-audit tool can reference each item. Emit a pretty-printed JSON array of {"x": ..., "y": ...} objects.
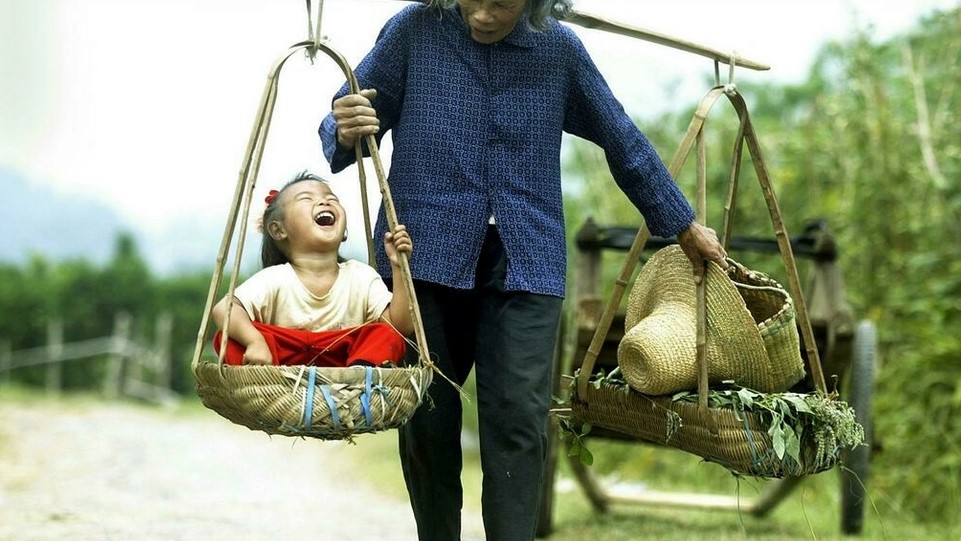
[
  {"x": 258, "y": 353},
  {"x": 397, "y": 242}
]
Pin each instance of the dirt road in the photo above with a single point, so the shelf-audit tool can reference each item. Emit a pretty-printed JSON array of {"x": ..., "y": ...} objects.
[{"x": 117, "y": 471}]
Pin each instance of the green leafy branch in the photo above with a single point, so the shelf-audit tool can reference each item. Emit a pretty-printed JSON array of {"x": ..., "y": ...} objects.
[{"x": 794, "y": 419}]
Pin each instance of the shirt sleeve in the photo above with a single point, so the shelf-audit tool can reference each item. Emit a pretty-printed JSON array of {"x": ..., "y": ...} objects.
[
  {"x": 255, "y": 295},
  {"x": 378, "y": 296},
  {"x": 369, "y": 288},
  {"x": 595, "y": 114}
]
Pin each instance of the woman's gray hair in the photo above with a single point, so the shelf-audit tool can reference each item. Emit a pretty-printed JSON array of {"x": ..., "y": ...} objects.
[{"x": 539, "y": 11}]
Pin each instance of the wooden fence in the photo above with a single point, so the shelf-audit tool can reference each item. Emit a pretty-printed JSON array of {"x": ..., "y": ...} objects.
[{"x": 133, "y": 368}]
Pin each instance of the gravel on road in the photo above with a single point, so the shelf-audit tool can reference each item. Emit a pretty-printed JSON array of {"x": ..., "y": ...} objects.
[{"x": 99, "y": 470}]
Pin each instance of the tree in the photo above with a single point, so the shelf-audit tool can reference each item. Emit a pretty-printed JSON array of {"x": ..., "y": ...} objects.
[{"x": 870, "y": 142}]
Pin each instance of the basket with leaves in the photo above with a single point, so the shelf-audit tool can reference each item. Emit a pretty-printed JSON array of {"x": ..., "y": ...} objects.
[
  {"x": 751, "y": 433},
  {"x": 773, "y": 433}
]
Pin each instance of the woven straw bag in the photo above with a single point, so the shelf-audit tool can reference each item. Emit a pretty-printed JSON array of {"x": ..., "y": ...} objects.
[{"x": 752, "y": 336}]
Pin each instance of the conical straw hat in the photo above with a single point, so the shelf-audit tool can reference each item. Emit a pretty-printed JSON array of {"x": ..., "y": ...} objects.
[{"x": 751, "y": 335}]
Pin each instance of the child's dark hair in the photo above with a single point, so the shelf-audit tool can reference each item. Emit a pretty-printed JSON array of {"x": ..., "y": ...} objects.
[{"x": 270, "y": 252}]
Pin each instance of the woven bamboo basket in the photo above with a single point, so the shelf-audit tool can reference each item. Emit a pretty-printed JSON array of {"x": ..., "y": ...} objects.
[
  {"x": 739, "y": 441},
  {"x": 319, "y": 402},
  {"x": 329, "y": 403},
  {"x": 736, "y": 440}
]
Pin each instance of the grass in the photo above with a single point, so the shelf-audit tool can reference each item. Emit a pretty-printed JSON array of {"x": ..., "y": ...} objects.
[{"x": 811, "y": 511}]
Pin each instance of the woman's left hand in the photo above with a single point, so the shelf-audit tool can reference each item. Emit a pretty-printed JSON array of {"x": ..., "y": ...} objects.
[{"x": 700, "y": 244}]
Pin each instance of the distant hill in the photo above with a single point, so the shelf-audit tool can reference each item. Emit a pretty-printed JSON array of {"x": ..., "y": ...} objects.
[
  {"x": 56, "y": 226},
  {"x": 40, "y": 221}
]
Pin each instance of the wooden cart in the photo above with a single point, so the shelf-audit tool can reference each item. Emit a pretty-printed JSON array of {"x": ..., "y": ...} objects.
[{"x": 847, "y": 349}]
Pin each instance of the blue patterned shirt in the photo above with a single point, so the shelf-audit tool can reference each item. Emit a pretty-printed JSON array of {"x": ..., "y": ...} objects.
[{"x": 477, "y": 133}]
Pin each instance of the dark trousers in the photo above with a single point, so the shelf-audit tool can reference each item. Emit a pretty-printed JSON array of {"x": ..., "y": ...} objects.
[{"x": 509, "y": 338}]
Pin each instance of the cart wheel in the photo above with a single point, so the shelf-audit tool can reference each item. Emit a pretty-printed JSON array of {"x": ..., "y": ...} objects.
[
  {"x": 545, "y": 514},
  {"x": 860, "y": 394}
]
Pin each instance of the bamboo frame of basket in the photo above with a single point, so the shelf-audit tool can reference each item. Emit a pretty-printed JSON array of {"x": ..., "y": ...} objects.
[
  {"x": 715, "y": 434},
  {"x": 320, "y": 402}
]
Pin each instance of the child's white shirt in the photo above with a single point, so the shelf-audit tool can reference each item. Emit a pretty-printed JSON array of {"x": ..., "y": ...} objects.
[{"x": 276, "y": 296}]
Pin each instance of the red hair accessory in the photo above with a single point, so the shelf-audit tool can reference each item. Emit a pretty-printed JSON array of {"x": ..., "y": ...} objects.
[{"x": 271, "y": 195}]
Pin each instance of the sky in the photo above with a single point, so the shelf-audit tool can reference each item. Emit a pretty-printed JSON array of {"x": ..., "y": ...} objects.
[{"x": 148, "y": 105}]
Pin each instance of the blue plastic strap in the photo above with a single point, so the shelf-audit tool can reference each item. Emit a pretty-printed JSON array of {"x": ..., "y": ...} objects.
[
  {"x": 755, "y": 460},
  {"x": 365, "y": 398},
  {"x": 309, "y": 398},
  {"x": 334, "y": 416}
]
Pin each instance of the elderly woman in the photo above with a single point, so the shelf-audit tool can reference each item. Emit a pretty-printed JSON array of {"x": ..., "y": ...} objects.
[{"x": 477, "y": 94}]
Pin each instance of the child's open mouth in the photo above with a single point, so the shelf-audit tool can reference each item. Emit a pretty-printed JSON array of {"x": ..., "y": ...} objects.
[{"x": 325, "y": 217}]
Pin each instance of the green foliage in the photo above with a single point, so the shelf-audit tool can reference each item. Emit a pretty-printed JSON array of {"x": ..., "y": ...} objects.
[
  {"x": 798, "y": 422},
  {"x": 183, "y": 297},
  {"x": 27, "y": 305},
  {"x": 574, "y": 436},
  {"x": 871, "y": 143},
  {"x": 87, "y": 300},
  {"x": 879, "y": 122}
]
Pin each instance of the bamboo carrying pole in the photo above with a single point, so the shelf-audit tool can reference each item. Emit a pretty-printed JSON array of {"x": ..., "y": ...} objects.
[
  {"x": 600, "y": 23},
  {"x": 597, "y": 22}
]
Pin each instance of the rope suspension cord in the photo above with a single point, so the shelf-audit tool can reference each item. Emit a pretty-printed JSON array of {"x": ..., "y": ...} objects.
[
  {"x": 732, "y": 63},
  {"x": 315, "y": 37},
  {"x": 314, "y": 31}
]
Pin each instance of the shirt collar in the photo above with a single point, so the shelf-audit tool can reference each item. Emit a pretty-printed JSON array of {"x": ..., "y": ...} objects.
[{"x": 522, "y": 35}]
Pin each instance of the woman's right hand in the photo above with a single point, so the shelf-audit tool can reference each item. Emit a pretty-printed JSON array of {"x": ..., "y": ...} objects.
[{"x": 355, "y": 117}]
